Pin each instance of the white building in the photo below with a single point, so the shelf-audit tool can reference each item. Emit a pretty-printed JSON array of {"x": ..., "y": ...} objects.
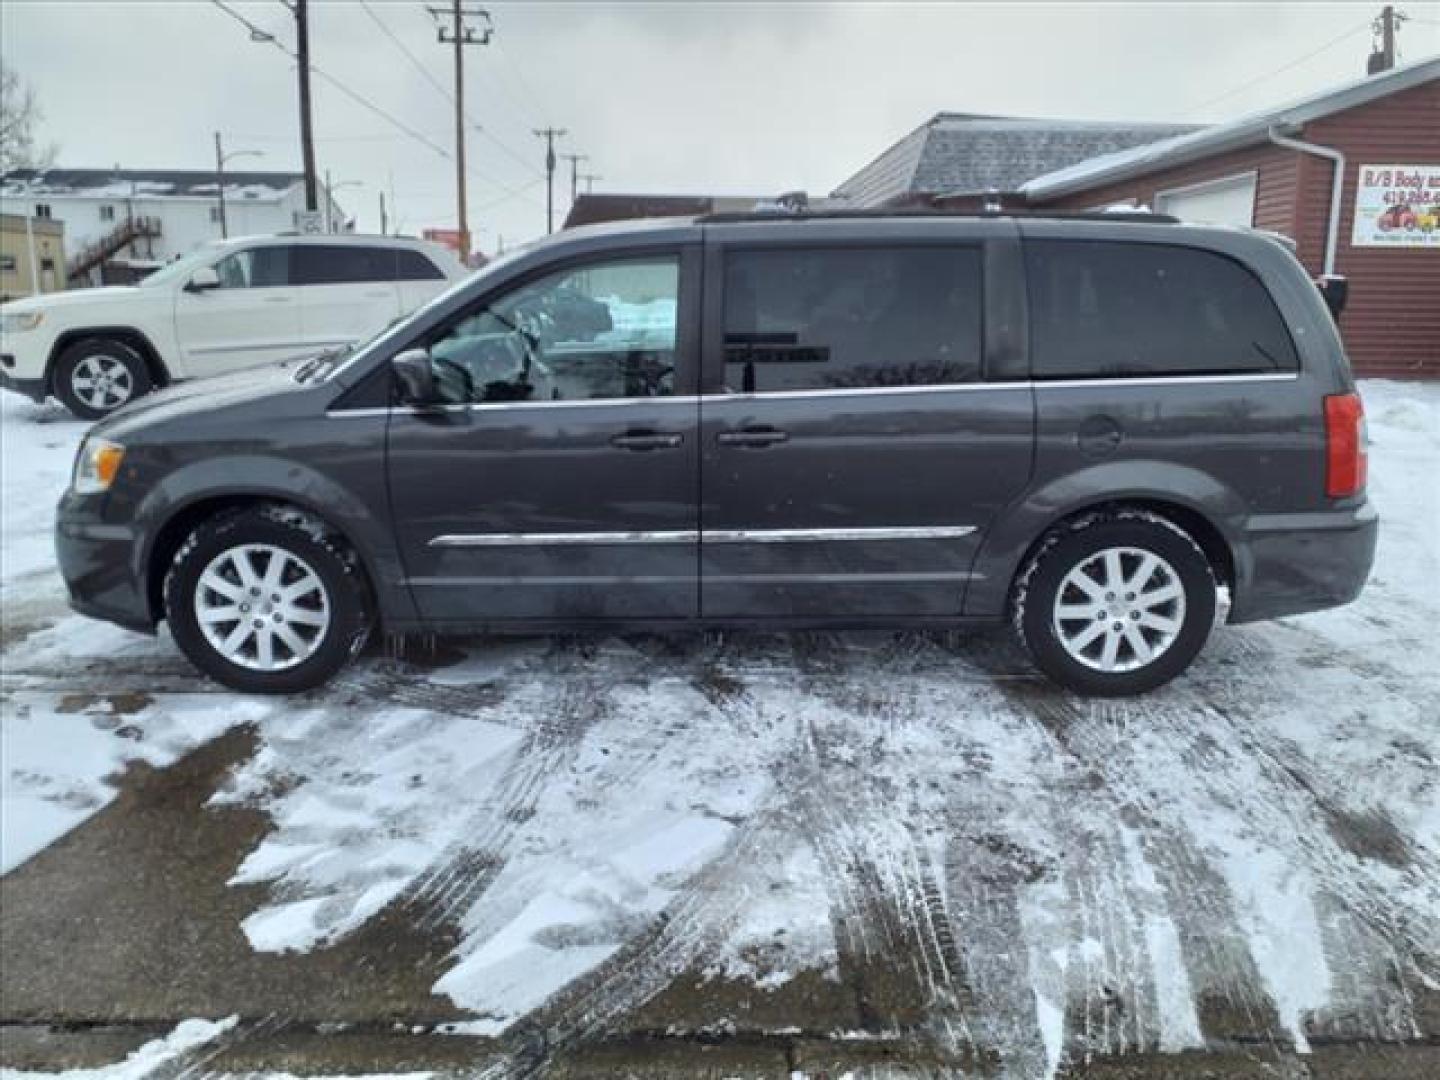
[{"x": 145, "y": 217}]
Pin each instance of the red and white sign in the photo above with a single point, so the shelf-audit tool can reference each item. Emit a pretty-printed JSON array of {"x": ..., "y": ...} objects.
[{"x": 1397, "y": 206}]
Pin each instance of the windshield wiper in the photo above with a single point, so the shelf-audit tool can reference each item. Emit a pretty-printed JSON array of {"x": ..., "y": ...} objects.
[{"x": 321, "y": 364}]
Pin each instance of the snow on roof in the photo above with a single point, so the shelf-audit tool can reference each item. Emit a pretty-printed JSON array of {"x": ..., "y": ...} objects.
[
  {"x": 150, "y": 183},
  {"x": 955, "y": 153},
  {"x": 1232, "y": 134}
]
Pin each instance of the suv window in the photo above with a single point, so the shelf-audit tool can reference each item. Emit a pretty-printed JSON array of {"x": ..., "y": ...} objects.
[
  {"x": 255, "y": 268},
  {"x": 1115, "y": 310},
  {"x": 816, "y": 319},
  {"x": 413, "y": 266},
  {"x": 343, "y": 264},
  {"x": 603, "y": 330}
]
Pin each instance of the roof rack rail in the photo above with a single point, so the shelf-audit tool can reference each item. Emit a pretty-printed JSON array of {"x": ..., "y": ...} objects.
[{"x": 735, "y": 216}]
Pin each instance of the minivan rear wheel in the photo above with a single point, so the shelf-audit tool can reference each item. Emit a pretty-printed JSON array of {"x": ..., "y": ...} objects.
[
  {"x": 267, "y": 600},
  {"x": 1115, "y": 604}
]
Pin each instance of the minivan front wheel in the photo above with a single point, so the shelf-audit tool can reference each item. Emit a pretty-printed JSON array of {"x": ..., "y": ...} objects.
[
  {"x": 1116, "y": 604},
  {"x": 96, "y": 376},
  {"x": 266, "y": 600}
]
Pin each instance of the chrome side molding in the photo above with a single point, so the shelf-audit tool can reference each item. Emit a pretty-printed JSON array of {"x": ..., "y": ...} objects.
[{"x": 707, "y": 536}]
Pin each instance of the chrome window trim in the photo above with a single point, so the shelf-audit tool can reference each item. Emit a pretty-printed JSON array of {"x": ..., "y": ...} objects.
[
  {"x": 714, "y": 536},
  {"x": 868, "y": 391}
]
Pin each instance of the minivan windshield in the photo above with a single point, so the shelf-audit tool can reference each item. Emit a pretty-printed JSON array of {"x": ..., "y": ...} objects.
[{"x": 181, "y": 268}]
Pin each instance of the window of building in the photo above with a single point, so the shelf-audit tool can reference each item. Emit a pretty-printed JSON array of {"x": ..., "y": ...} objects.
[
  {"x": 601, "y": 331},
  {"x": 821, "y": 319},
  {"x": 413, "y": 266},
  {"x": 42, "y": 210},
  {"x": 8, "y": 263},
  {"x": 255, "y": 268},
  {"x": 1116, "y": 310},
  {"x": 107, "y": 213}
]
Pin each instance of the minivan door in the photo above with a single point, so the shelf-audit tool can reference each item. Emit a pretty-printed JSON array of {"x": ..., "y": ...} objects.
[
  {"x": 864, "y": 418},
  {"x": 252, "y": 317},
  {"x": 348, "y": 292},
  {"x": 559, "y": 482}
]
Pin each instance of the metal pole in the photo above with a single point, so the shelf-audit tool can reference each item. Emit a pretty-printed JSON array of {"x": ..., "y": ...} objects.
[
  {"x": 220, "y": 184},
  {"x": 34, "y": 256},
  {"x": 383, "y": 229},
  {"x": 460, "y": 210},
  {"x": 329, "y": 205},
  {"x": 307, "y": 139}
]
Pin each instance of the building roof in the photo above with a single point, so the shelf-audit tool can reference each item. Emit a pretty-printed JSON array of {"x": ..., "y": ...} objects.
[
  {"x": 1231, "y": 135},
  {"x": 149, "y": 183},
  {"x": 590, "y": 209},
  {"x": 967, "y": 153}
]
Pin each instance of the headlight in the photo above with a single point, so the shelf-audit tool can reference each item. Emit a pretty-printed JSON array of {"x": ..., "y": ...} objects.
[
  {"x": 97, "y": 466},
  {"x": 13, "y": 323}
]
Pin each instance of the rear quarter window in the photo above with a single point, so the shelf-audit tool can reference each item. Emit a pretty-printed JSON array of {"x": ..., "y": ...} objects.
[
  {"x": 1111, "y": 309},
  {"x": 413, "y": 266}
]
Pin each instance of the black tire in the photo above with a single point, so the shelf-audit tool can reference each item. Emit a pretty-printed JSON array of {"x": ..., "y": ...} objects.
[
  {"x": 1033, "y": 602},
  {"x": 124, "y": 366},
  {"x": 305, "y": 538}
]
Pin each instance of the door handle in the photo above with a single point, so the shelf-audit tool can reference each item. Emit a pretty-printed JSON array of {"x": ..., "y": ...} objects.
[
  {"x": 647, "y": 440},
  {"x": 757, "y": 437},
  {"x": 277, "y": 299}
]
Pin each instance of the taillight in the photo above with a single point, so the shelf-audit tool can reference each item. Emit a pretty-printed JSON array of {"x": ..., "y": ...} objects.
[{"x": 1345, "y": 455}]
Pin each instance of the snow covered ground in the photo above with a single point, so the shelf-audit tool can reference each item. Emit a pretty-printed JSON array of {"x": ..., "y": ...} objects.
[{"x": 993, "y": 867}]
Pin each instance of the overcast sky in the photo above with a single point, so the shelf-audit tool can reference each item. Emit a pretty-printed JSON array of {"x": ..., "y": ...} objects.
[{"x": 687, "y": 98}]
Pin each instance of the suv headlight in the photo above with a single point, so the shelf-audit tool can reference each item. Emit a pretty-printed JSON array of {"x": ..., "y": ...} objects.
[
  {"x": 97, "y": 466},
  {"x": 14, "y": 323}
]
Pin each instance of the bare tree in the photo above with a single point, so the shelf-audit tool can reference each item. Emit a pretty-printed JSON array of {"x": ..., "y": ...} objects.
[{"x": 20, "y": 115}]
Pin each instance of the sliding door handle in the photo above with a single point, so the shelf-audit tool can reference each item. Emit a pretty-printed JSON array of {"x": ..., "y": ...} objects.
[
  {"x": 755, "y": 437},
  {"x": 647, "y": 440}
]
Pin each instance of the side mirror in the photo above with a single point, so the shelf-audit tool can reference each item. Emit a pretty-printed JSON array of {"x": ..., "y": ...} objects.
[
  {"x": 1335, "y": 290},
  {"x": 416, "y": 376},
  {"x": 203, "y": 280}
]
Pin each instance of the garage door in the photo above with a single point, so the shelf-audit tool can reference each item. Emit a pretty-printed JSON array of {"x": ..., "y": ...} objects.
[{"x": 1221, "y": 202}]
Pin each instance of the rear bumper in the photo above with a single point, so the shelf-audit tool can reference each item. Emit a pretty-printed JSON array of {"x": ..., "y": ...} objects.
[
  {"x": 97, "y": 562},
  {"x": 34, "y": 389},
  {"x": 1293, "y": 563}
]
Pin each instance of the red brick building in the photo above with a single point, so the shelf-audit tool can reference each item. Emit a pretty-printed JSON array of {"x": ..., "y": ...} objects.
[{"x": 1273, "y": 170}]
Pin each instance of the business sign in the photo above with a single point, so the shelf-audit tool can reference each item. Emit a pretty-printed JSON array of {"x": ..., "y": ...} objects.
[
  {"x": 451, "y": 238},
  {"x": 1397, "y": 206},
  {"x": 310, "y": 222}
]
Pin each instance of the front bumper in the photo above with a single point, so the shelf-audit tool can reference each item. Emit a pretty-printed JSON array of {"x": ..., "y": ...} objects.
[
  {"x": 99, "y": 561},
  {"x": 1290, "y": 564},
  {"x": 34, "y": 389}
]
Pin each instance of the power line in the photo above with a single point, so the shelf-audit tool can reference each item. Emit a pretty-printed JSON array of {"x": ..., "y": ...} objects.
[
  {"x": 264, "y": 36},
  {"x": 1280, "y": 70}
]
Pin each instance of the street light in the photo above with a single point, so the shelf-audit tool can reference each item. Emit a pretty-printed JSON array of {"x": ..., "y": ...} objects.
[
  {"x": 330, "y": 190},
  {"x": 220, "y": 158}
]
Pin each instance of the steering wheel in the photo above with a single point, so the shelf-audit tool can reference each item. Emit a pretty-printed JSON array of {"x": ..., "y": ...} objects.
[{"x": 449, "y": 370}]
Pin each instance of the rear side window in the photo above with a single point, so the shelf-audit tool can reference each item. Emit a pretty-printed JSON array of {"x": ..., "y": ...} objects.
[
  {"x": 1103, "y": 309},
  {"x": 413, "y": 266},
  {"x": 320, "y": 264},
  {"x": 821, "y": 319}
]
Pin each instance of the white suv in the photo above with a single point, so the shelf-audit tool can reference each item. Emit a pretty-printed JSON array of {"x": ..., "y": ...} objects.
[{"x": 231, "y": 304}]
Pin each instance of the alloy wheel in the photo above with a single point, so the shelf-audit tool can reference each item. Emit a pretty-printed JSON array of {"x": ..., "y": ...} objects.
[
  {"x": 262, "y": 607},
  {"x": 102, "y": 382},
  {"x": 1119, "y": 609}
]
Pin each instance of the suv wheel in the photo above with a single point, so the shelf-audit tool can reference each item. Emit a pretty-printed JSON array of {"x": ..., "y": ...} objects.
[
  {"x": 96, "y": 376},
  {"x": 1115, "y": 604},
  {"x": 267, "y": 600}
]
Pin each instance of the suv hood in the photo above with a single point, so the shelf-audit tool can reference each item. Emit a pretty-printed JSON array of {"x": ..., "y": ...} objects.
[{"x": 76, "y": 298}]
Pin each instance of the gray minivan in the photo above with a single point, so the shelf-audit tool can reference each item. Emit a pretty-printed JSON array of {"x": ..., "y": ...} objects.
[{"x": 1110, "y": 430}]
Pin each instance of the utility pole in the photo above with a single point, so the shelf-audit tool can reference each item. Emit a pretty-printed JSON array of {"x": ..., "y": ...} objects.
[
  {"x": 459, "y": 35},
  {"x": 307, "y": 135},
  {"x": 1382, "y": 56},
  {"x": 383, "y": 230},
  {"x": 575, "y": 160},
  {"x": 590, "y": 179},
  {"x": 549, "y": 134}
]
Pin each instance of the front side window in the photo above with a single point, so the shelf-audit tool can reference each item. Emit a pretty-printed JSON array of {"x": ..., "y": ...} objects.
[
  {"x": 255, "y": 268},
  {"x": 1110, "y": 309},
  {"x": 603, "y": 330},
  {"x": 822, "y": 319},
  {"x": 343, "y": 264}
]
